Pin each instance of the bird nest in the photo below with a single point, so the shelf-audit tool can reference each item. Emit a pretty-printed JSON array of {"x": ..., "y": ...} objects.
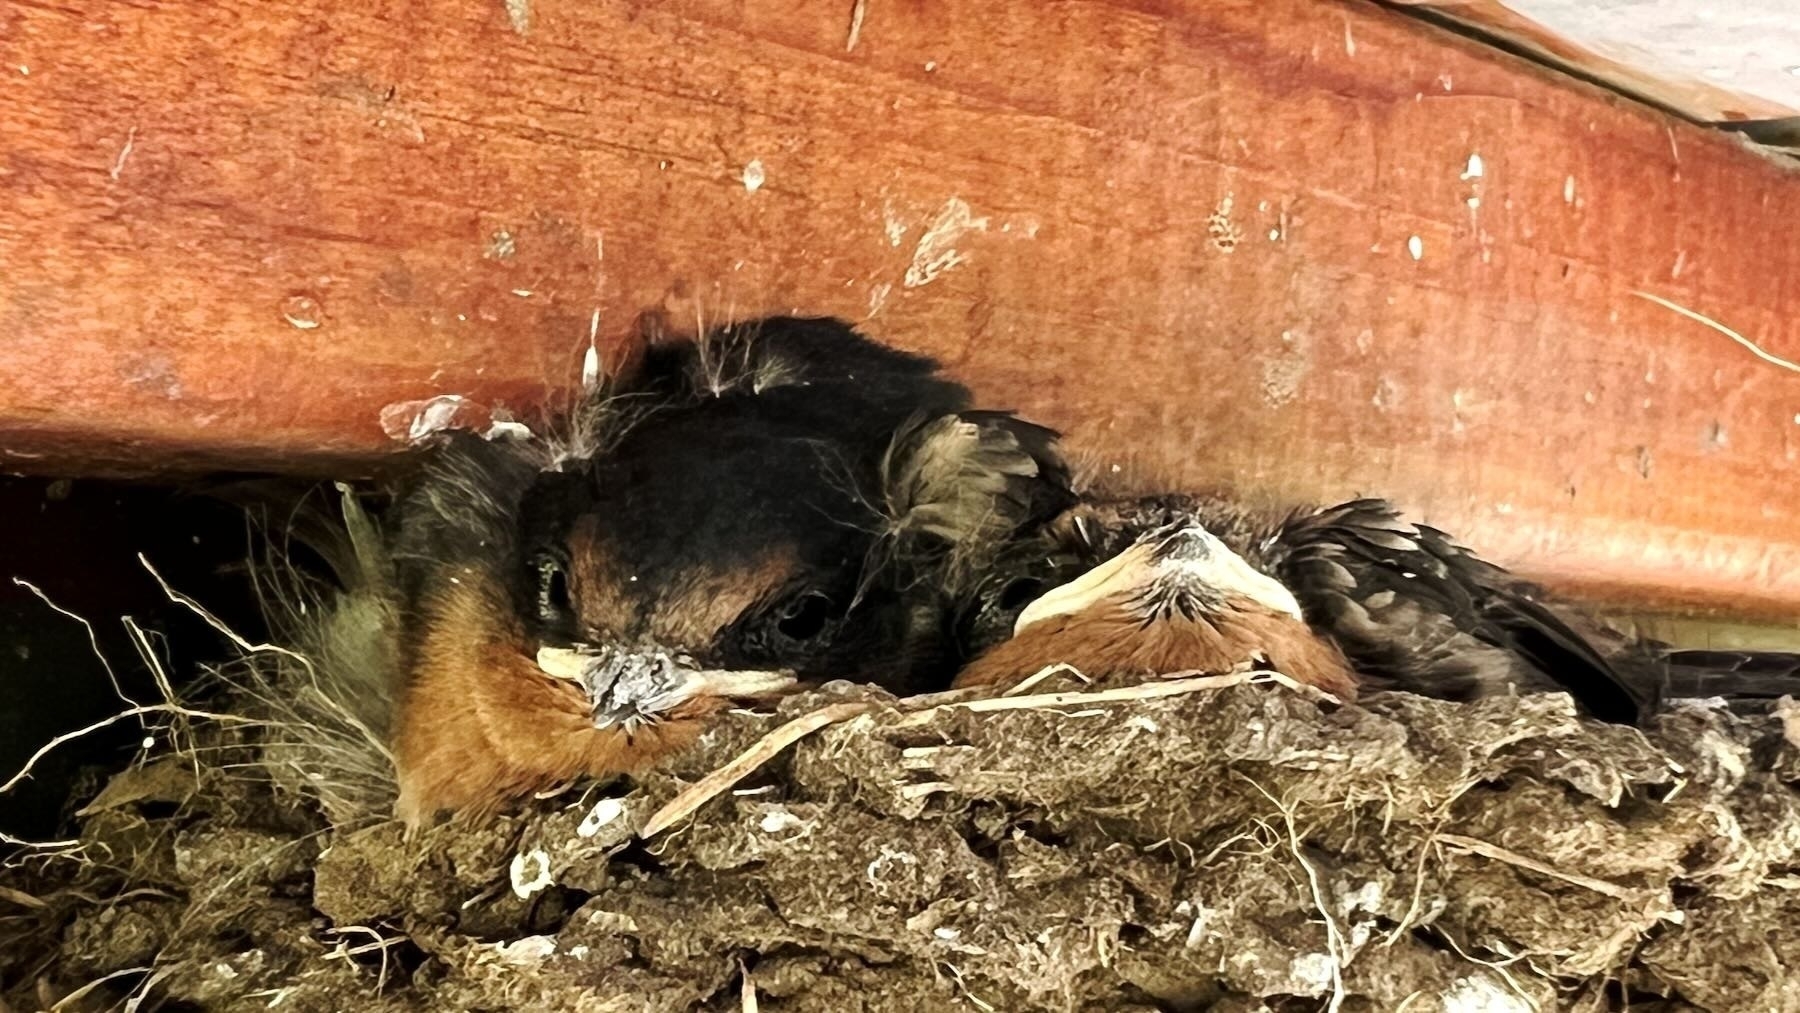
[{"x": 1228, "y": 843}]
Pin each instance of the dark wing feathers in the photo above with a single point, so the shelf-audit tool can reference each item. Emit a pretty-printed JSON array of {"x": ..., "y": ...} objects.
[
  {"x": 972, "y": 479},
  {"x": 1415, "y": 611},
  {"x": 1737, "y": 675}
]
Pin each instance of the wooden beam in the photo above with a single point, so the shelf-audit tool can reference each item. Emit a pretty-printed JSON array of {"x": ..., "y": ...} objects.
[{"x": 1298, "y": 249}]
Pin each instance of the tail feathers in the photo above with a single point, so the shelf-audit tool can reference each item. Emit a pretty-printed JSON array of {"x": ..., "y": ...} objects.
[{"x": 1733, "y": 675}]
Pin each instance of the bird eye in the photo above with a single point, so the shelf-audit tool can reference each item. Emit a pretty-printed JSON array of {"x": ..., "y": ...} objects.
[
  {"x": 806, "y": 616},
  {"x": 553, "y": 605},
  {"x": 792, "y": 630},
  {"x": 988, "y": 617}
]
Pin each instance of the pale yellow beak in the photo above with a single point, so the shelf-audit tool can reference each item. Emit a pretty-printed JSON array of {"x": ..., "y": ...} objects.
[
  {"x": 1138, "y": 568},
  {"x": 1124, "y": 573},
  {"x": 575, "y": 664}
]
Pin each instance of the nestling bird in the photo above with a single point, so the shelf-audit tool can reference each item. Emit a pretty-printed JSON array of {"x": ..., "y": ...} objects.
[
  {"x": 1176, "y": 600},
  {"x": 1345, "y": 598},
  {"x": 774, "y": 503}
]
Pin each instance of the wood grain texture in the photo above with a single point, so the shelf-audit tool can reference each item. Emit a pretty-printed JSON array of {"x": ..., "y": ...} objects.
[{"x": 1228, "y": 244}]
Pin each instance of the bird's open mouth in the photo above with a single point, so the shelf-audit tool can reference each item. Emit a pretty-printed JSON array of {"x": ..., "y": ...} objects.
[{"x": 630, "y": 688}]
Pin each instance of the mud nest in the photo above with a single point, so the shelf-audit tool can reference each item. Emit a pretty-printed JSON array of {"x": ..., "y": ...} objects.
[{"x": 1240, "y": 847}]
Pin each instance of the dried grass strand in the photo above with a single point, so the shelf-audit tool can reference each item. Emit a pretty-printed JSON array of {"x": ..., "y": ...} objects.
[
  {"x": 23, "y": 899},
  {"x": 93, "y": 640},
  {"x": 70, "y": 1001},
  {"x": 767, "y": 748},
  {"x": 1754, "y": 348},
  {"x": 1334, "y": 936},
  {"x": 1499, "y": 854},
  {"x": 161, "y": 708}
]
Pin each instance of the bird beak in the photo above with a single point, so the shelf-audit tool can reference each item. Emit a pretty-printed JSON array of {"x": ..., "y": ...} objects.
[
  {"x": 1190, "y": 556},
  {"x": 1124, "y": 573},
  {"x": 631, "y": 687}
]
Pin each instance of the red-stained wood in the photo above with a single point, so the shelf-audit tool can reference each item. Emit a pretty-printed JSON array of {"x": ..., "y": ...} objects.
[{"x": 1231, "y": 244}]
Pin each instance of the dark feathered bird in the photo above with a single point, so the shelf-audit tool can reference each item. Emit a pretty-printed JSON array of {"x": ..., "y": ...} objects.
[
  {"x": 1346, "y": 598},
  {"x": 778, "y": 502},
  {"x": 1177, "y": 599}
]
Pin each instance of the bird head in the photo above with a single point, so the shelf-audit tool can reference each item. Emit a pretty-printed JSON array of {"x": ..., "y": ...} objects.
[
  {"x": 1178, "y": 570},
  {"x": 1176, "y": 599},
  {"x": 772, "y": 504}
]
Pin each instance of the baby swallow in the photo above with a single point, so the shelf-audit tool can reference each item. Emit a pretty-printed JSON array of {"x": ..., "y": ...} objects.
[
  {"x": 1176, "y": 600},
  {"x": 1345, "y": 598},
  {"x": 773, "y": 504}
]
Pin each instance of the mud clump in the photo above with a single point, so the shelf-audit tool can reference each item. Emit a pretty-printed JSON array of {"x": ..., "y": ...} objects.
[{"x": 1236, "y": 849}]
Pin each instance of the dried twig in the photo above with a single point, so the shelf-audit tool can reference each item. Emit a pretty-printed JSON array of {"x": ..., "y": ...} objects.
[
  {"x": 381, "y": 945},
  {"x": 93, "y": 640},
  {"x": 1499, "y": 854},
  {"x": 962, "y": 986},
  {"x": 767, "y": 748},
  {"x": 1044, "y": 673},
  {"x": 66, "y": 845},
  {"x": 219, "y": 624},
  {"x": 1122, "y": 694},
  {"x": 1405, "y": 924},
  {"x": 747, "y": 995},
  {"x": 1501, "y": 967},
  {"x": 141, "y": 994},
  {"x": 22, "y": 898}
]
